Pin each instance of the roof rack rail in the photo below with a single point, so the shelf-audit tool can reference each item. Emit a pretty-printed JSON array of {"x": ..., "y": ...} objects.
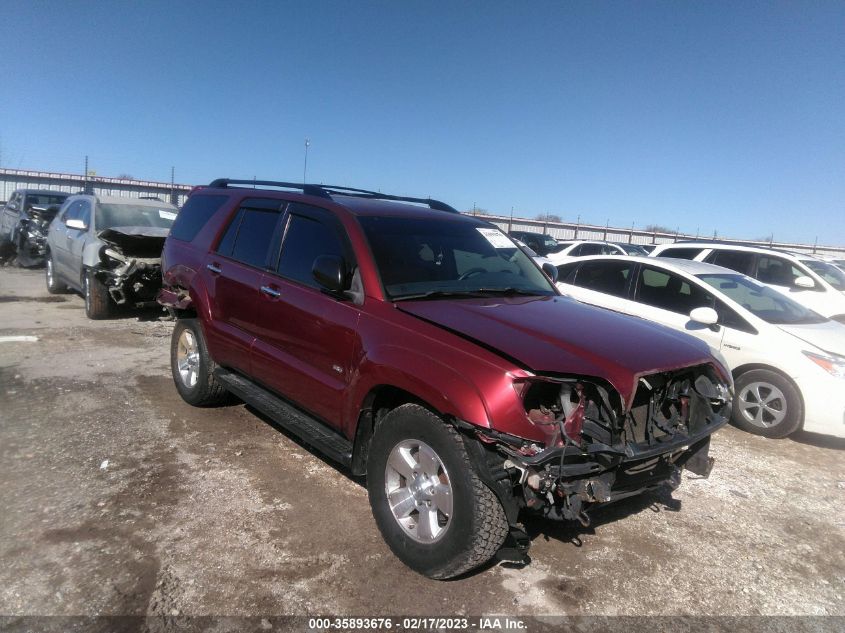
[{"x": 326, "y": 191}]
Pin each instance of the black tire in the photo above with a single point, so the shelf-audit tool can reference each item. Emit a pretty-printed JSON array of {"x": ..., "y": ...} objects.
[
  {"x": 204, "y": 390},
  {"x": 477, "y": 527},
  {"x": 54, "y": 286},
  {"x": 784, "y": 402},
  {"x": 98, "y": 303}
]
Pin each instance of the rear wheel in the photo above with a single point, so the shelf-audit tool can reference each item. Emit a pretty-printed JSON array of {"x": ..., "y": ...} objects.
[
  {"x": 432, "y": 509},
  {"x": 192, "y": 367},
  {"x": 54, "y": 286},
  {"x": 767, "y": 404},
  {"x": 98, "y": 303}
]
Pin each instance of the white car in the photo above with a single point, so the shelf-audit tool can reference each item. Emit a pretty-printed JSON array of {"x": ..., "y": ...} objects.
[
  {"x": 532, "y": 253},
  {"x": 807, "y": 280},
  {"x": 788, "y": 362},
  {"x": 584, "y": 248}
]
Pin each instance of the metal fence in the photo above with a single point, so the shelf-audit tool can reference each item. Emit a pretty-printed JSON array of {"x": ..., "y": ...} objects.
[
  {"x": 630, "y": 235},
  {"x": 11, "y": 179}
]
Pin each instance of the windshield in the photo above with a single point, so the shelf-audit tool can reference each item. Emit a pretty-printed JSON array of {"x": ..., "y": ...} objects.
[
  {"x": 633, "y": 249},
  {"x": 113, "y": 215},
  {"x": 431, "y": 258},
  {"x": 830, "y": 273},
  {"x": 44, "y": 200},
  {"x": 763, "y": 302}
]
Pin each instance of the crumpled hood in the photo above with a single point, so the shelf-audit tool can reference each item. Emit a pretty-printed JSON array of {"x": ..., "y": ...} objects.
[
  {"x": 560, "y": 335},
  {"x": 828, "y": 336},
  {"x": 136, "y": 241}
]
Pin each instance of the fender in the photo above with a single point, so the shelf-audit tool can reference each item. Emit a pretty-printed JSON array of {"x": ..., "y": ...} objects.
[{"x": 443, "y": 388}]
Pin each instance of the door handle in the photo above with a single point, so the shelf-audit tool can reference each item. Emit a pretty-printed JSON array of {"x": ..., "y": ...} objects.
[
  {"x": 214, "y": 268},
  {"x": 267, "y": 290}
]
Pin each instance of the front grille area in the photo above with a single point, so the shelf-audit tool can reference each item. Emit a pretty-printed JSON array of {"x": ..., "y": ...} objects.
[{"x": 669, "y": 406}]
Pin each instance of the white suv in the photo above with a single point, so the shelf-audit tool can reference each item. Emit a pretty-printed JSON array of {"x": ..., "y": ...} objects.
[{"x": 811, "y": 282}]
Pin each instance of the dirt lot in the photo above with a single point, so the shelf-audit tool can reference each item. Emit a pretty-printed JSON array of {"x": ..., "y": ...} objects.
[{"x": 117, "y": 498}]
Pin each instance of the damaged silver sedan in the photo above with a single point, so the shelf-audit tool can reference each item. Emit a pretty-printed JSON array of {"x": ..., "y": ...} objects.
[{"x": 108, "y": 249}]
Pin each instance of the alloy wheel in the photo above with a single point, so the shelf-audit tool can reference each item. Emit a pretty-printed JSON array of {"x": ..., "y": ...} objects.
[
  {"x": 419, "y": 491},
  {"x": 762, "y": 404},
  {"x": 188, "y": 359}
]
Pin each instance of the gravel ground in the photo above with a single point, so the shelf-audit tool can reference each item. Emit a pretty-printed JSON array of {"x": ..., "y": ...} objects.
[{"x": 119, "y": 499}]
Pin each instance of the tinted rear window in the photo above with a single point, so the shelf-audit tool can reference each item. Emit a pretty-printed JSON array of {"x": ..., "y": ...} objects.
[
  {"x": 194, "y": 215},
  {"x": 740, "y": 261},
  {"x": 249, "y": 236},
  {"x": 681, "y": 253}
]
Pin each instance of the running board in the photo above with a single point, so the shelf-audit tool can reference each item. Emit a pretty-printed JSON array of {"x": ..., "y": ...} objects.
[{"x": 305, "y": 427}]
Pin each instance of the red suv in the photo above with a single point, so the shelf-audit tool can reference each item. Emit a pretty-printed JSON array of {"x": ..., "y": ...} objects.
[{"x": 423, "y": 348}]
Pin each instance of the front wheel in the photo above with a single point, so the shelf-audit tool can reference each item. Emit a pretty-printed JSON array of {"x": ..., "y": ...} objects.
[
  {"x": 98, "y": 303},
  {"x": 430, "y": 506},
  {"x": 767, "y": 404}
]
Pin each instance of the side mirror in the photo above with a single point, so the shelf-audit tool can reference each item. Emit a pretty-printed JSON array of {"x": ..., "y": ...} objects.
[
  {"x": 330, "y": 272},
  {"x": 551, "y": 271},
  {"x": 805, "y": 282},
  {"x": 73, "y": 223},
  {"x": 705, "y": 316}
]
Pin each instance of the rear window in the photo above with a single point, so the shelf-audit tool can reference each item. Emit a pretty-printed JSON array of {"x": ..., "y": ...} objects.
[
  {"x": 250, "y": 235},
  {"x": 681, "y": 253},
  {"x": 740, "y": 261},
  {"x": 194, "y": 215}
]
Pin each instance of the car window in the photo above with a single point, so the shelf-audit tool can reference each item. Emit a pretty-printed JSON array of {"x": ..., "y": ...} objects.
[
  {"x": 566, "y": 272},
  {"x": 582, "y": 250},
  {"x": 193, "y": 216},
  {"x": 447, "y": 257},
  {"x": 306, "y": 238},
  {"x": 73, "y": 211},
  {"x": 250, "y": 234},
  {"x": 43, "y": 200},
  {"x": 763, "y": 302},
  {"x": 85, "y": 212},
  {"x": 729, "y": 317},
  {"x": 111, "y": 215},
  {"x": 671, "y": 292},
  {"x": 740, "y": 261},
  {"x": 831, "y": 274},
  {"x": 608, "y": 277},
  {"x": 777, "y": 271},
  {"x": 681, "y": 253}
]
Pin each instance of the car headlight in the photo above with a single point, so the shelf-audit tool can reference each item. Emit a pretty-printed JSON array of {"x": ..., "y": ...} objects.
[{"x": 834, "y": 365}]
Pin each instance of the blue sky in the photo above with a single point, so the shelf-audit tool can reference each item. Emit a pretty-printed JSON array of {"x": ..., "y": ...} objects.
[{"x": 697, "y": 115}]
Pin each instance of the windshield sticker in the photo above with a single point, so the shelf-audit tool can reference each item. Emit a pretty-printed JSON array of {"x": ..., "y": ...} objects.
[
  {"x": 496, "y": 238},
  {"x": 166, "y": 215}
]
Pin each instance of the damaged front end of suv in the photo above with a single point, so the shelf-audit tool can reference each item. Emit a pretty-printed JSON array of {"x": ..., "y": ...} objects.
[
  {"x": 601, "y": 448},
  {"x": 127, "y": 261}
]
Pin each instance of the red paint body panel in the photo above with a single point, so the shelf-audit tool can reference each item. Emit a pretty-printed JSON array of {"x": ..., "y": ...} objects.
[{"x": 562, "y": 336}]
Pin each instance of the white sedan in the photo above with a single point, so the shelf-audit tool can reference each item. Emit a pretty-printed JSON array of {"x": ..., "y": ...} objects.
[{"x": 788, "y": 362}]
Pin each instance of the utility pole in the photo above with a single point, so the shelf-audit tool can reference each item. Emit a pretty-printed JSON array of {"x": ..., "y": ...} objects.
[
  {"x": 172, "y": 187},
  {"x": 305, "y": 166},
  {"x": 85, "y": 182}
]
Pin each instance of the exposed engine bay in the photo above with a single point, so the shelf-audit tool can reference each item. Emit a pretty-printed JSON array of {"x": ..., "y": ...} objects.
[
  {"x": 597, "y": 450},
  {"x": 130, "y": 264}
]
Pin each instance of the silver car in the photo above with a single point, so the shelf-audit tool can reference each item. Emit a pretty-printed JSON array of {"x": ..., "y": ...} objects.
[{"x": 109, "y": 249}]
